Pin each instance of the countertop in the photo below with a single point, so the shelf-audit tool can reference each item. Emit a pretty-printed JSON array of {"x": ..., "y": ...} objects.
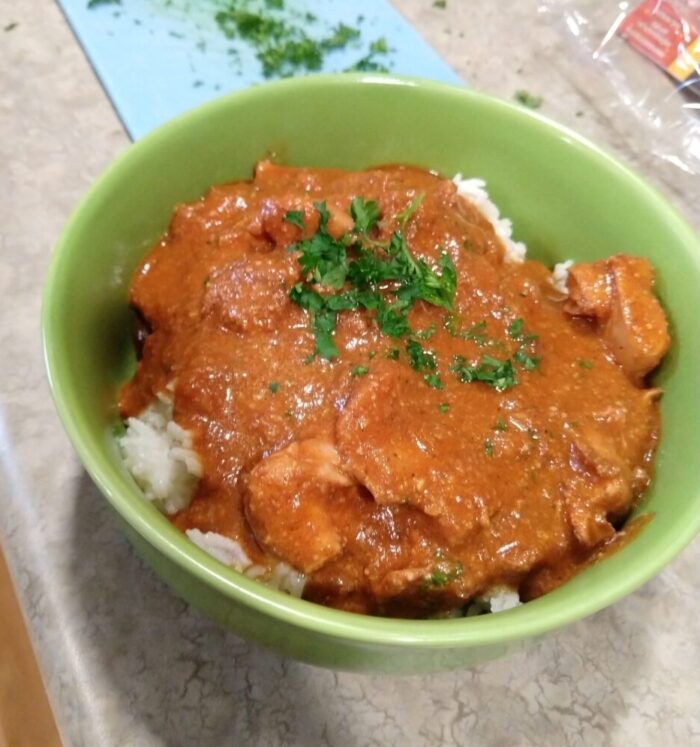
[{"x": 127, "y": 663}]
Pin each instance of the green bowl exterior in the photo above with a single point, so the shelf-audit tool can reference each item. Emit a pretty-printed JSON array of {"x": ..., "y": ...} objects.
[{"x": 567, "y": 199}]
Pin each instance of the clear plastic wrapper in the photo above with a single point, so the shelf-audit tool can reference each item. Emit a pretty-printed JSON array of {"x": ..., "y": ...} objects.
[{"x": 646, "y": 56}]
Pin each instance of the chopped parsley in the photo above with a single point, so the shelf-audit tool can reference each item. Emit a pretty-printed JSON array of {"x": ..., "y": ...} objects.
[
  {"x": 433, "y": 380},
  {"x": 419, "y": 358},
  {"x": 273, "y": 386},
  {"x": 359, "y": 371},
  {"x": 365, "y": 214},
  {"x": 409, "y": 211},
  {"x": 280, "y": 37},
  {"x": 382, "y": 277},
  {"x": 295, "y": 217},
  {"x": 515, "y": 329},
  {"x": 476, "y": 333},
  {"x": 444, "y": 407},
  {"x": 369, "y": 63},
  {"x": 583, "y": 363},
  {"x": 444, "y": 573},
  {"x": 524, "y": 355},
  {"x": 499, "y": 374},
  {"x": 528, "y": 99},
  {"x": 500, "y": 425},
  {"x": 488, "y": 447},
  {"x": 427, "y": 333},
  {"x": 359, "y": 272}
]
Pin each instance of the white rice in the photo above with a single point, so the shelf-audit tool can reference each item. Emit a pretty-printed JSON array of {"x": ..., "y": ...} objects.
[
  {"x": 501, "y": 599},
  {"x": 474, "y": 191},
  {"x": 159, "y": 454},
  {"x": 229, "y": 552},
  {"x": 560, "y": 275}
]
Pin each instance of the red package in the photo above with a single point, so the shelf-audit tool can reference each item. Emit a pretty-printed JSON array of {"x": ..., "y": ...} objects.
[{"x": 667, "y": 32}]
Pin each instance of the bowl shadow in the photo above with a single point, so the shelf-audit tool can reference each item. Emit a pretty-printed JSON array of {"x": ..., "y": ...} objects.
[{"x": 166, "y": 675}]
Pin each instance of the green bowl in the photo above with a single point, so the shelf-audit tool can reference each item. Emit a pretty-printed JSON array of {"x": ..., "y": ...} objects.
[{"x": 567, "y": 199}]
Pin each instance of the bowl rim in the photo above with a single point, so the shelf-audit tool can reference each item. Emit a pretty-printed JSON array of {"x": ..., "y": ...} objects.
[{"x": 533, "y": 619}]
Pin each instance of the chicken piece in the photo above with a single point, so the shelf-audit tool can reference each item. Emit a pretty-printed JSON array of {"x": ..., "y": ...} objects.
[
  {"x": 403, "y": 464},
  {"x": 589, "y": 293},
  {"x": 618, "y": 293},
  {"x": 606, "y": 493},
  {"x": 637, "y": 331},
  {"x": 251, "y": 292},
  {"x": 289, "y": 503}
]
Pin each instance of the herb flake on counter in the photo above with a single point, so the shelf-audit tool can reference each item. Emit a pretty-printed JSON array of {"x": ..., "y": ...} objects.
[
  {"x": 11, "y": 26},
  {"x": 283, "y": 39},
  {"x": 528, "y": 99},
  {"x": 96, "y": 3}
]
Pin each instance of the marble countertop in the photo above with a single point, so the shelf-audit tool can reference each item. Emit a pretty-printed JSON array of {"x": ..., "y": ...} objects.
[{"x": 127, "y": 663}]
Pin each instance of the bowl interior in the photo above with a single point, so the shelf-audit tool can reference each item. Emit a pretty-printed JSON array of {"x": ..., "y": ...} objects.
[{"x": 566, "y": 200}]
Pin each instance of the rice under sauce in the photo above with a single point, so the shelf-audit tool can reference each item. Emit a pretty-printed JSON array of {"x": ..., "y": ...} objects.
[{"x": 408, "y": 439}]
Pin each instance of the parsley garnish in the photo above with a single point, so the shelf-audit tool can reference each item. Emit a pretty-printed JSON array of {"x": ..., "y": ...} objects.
[
  {"x": 444, "y": 407},
  {"x": 585, "y": 363},
  {"x": 409, "y": 211},
  {"x": 359, "y": 371},
  {"x": 501, "y": 425},
  {"x": 499, "y": 374},
  {"x": 427, "y": 333},
  {"x": 393, "y": 354},
  {"x": 273, "y": 386},
  {"x": 420, "y": 359},
  {"x": 515, "y": 329},
  {"x": 365, "y": 213},
  {"x": 475, "y": 333},
  {"x": 488, "y": 447},
  {"x": 295, "y": 217},
  {"x": 382, "y": 277},
  {"x": 524, "y": 355},
  {"x": 444, "y": 573},
  {"x": 433, "y": 380}
]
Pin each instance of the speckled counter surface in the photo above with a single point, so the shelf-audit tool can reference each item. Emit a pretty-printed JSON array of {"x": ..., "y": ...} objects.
[{"x": 127, "y": 663}]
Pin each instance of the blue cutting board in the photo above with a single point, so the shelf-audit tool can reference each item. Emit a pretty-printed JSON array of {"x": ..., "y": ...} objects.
[{"x": 158, "y": 58}]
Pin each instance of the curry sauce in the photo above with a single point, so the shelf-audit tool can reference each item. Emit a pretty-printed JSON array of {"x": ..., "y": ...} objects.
[{"x": 381, "y": 398}]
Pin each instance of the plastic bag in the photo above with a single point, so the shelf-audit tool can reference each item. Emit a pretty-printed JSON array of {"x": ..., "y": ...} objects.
[{"x": 626, "y": 50}]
